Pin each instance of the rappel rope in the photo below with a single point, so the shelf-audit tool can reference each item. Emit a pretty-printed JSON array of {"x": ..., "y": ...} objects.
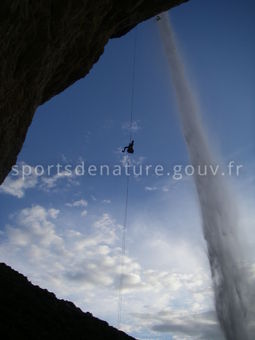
[
  {"x": 123, "y": 253},
  {"x": 133, "y": 87},
  {"x": 124, "y": 229}
]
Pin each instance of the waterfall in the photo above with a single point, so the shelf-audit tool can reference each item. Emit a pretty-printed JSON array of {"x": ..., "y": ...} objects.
[{"x": 217, "y": 205}]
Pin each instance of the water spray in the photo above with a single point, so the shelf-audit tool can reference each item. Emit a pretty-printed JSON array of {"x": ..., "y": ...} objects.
[{"x": 218, "y": 209}]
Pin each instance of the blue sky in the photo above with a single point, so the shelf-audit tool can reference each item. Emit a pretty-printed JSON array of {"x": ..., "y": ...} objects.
[{"x": 64, "y": 234}]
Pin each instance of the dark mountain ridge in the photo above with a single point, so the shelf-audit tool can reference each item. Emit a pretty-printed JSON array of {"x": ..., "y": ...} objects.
[{"x": 29, "y": 312}]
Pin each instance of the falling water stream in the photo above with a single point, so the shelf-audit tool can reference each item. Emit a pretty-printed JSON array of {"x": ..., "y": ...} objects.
[{"x": 217, "y": 206}]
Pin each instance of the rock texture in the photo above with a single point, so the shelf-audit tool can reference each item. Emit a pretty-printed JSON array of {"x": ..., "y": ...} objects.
[
  {"x": 31, "y": 313},
  {"x": 46, "y": 45}
]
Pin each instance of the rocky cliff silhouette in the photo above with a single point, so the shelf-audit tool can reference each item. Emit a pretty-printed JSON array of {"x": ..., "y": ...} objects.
[
  {"x": 31, "y": 313},
  {"x": 47, "y": 45}
]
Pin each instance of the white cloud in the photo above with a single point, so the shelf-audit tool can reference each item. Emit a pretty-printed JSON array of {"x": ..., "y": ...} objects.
[
  {"x": 84, "y": 213},
  {"x": 80, "y": 204},
  {"x": 27, "y": 177},
  {"x": 107, "y": 201},
  {"x": 148, "y": 188},
  {"x": 189, "y": 325},
  {"x": 164, "y": 270},
  {"x": 17, "y": 186},
  {"x": 134, "y": 127},
  {"x": 84, "y": 266},
  {"x": 53, "y": 213},
  {"x": 34, "y": 227},
  {"x": 133, "y": 161},
  {"x": 51, "y": 182}
]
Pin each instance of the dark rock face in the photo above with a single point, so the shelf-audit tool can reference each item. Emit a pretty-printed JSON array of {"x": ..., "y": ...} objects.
[
  {"x": 29, "y": 312},
  {"x": 46, "y": 45}
]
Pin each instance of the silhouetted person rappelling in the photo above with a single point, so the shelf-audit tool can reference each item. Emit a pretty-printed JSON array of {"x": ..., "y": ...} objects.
[{"x": 129, "y": 148}]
